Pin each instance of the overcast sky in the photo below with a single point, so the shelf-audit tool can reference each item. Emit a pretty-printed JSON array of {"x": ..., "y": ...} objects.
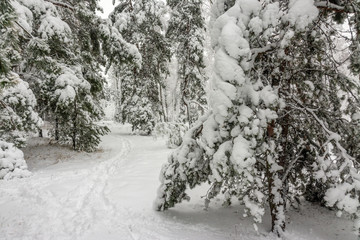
[{"x": 107, "y": 6}]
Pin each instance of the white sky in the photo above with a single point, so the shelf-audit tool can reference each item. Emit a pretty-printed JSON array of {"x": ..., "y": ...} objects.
[{"x": 107, "y": 6}]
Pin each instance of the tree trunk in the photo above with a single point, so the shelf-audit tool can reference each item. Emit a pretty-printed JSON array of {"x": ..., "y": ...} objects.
[
  {"x": 275, "y": 188},
  {"x": 56, "y": 129},
  {"x": 74, "y": 126},
  {"x": 184, "y": 97},
  {"x": 270, "y": 182},
  {"x": 163, "y": 103},
  {"x": 118, "y": 95}
]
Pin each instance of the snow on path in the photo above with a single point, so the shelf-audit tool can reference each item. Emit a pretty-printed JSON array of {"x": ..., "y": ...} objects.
[
  {"x": 109, "y": 195},
  {"x": 59, "y": 205}
]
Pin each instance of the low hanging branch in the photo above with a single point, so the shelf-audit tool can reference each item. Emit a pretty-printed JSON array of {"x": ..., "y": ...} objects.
[
  {"x": 61, "y": 4},
  {"x": 326, "y": 5},
  {"x": 330, "y": 134}
]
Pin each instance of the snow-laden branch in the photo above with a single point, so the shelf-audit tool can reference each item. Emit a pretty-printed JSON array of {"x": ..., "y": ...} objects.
[
  {"x": 291, "y": 166},
  {"x": 17, "y": 23},
  {"x": 329, "y": 6},
  {"x": 4, "y": 105},
  {"x": 331, "y": 135},
  {"x": 256, "y": 51},
  {"x": 196, "y": 129},
  {"x": 61, "y": 4},
  {"x": 199, "y": 104}
]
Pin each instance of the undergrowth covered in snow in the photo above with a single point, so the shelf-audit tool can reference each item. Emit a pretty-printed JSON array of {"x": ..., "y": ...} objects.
[{"x": 12, "y": 163}]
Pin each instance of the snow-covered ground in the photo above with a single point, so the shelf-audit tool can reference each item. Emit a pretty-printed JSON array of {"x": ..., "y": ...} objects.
[{"x": 109, "y": 195}]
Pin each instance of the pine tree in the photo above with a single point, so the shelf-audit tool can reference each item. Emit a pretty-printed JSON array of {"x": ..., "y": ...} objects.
[
  {"x": 187, "y": 35},
  {"x": 119, "y": 55},
  {"x": 85, "y": 109},
  {"x": 17, "y": 113},
  {"x": 62, "y": 64},
  {"x": 277, "y": 127},
  {"x": 77, "y": 110},
  {"x": 141, "y": 23},
  {"x": 8, "y": 52},
  {"x": 17, "y": 101}
]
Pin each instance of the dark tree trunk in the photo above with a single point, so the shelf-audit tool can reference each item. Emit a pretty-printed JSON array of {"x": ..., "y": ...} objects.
[
  {"x": 56, "y": 129},
  {"x": 74, "y": 126},
  {"x": 274, "y": 206}
]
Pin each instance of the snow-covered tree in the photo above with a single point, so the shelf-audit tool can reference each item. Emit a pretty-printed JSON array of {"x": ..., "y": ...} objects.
[
  {"x": 17, "y": 101},
  {"x": 76, "y": 111},
  {"x": 187, "y": 37},
  {"x": 277, "y": 125},
  {"x": 141, "y": 23},
  {"x": 9, "y": 48},
  {"x": 62, "y": 42},
  {"x": 120, "y": 55},
  {"x": 17, "y": 114}
]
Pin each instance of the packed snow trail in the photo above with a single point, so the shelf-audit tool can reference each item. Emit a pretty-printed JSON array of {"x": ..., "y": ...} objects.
[
  {"x": 64, "y": 214},
  {"x": 109, "y": 195}
]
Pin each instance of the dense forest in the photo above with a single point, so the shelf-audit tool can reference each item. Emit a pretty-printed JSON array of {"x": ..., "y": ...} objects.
[{"x": 259, "y": 98}]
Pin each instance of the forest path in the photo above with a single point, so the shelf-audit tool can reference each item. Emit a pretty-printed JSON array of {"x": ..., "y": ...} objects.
[
  {"x": 109, "y": 195},
  {"x": 62, "y": 201}
]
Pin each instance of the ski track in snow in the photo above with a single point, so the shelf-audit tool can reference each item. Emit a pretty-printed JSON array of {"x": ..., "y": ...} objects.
[{"x": 92, "y": 202}]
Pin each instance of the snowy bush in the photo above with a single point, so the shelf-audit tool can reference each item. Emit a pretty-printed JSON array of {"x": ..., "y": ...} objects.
[
  {"x": 174, "y": 131},
  {"x": 12, "y": 163},
  {"x": 140, "y": 115}
]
